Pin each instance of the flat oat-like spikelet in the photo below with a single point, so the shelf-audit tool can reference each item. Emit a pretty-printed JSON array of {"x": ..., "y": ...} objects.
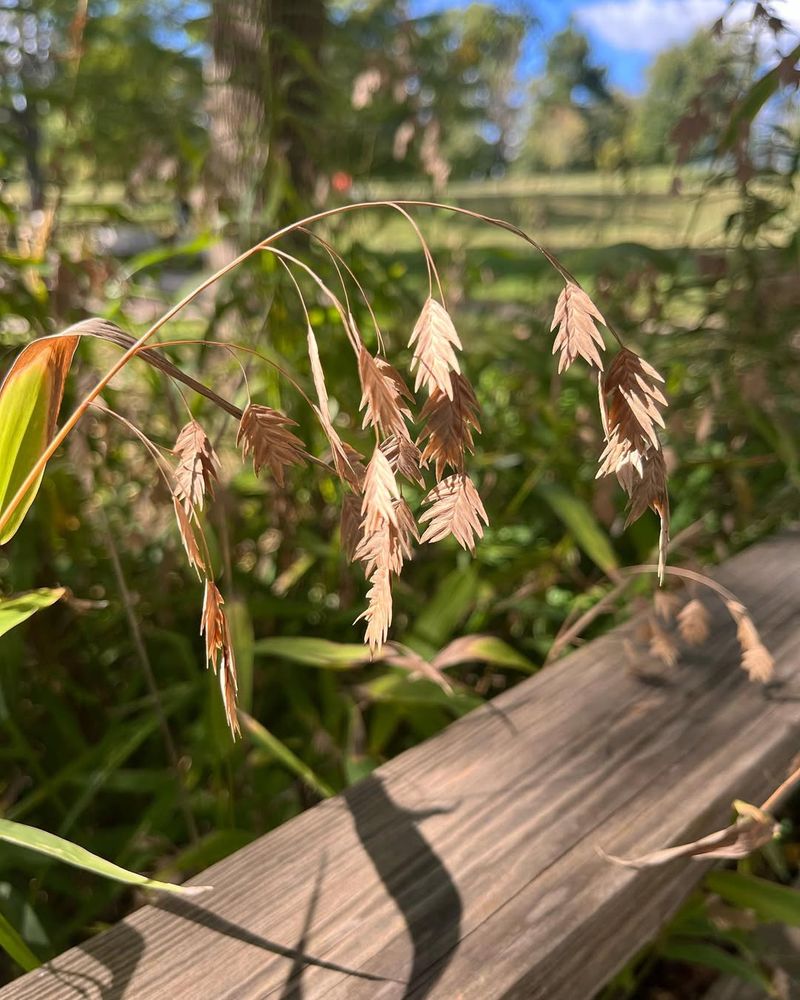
[
  {"x": 630, "y": 398},
  {"x": 435, "y": 342},
  {"x": 575, "y": 317},
  {"x": 385, "y": 395},
  {"x": 648, "y": 489},
  {"x": 449, "y": 424},
  {"x": 219, "y": 650},
  {"x": 404, "y": 458},
  {"x": 378, "y": 614},
  {"x": 693, "y": 622},
  {"x": 198, "y": 466},
  {"x": 389, "y": 546},
  {"x": 264, "y": 433},
  {"x": 350, "y": 525},
  {"x": 189, "y": 538},
  {"x": 456, "y": 509},
  {"x": 380, "y": 492},
  {"x": 756, "y": 658}
]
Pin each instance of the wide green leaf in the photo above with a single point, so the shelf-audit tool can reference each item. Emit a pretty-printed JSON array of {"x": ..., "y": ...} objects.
[
  {"x": 30, "y": 398},
  {"x": 313, "y": 652},
  {"x": 582, "y": 525},
  {"x": 771, "y": 903},
  {"x": 72, "y": 854},
  {"x": 15, "y": 610},
  {"x": 713, "y": 957}
]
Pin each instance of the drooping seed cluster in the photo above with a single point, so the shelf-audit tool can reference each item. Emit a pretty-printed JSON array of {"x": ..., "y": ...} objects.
[{"x": 629, "y": 407}]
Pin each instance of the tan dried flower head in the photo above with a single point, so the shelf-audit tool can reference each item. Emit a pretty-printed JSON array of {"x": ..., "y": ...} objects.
[
  {"x": 385, "y": 395},
  {"x": 630, "y": 401},
  {"x": 380, "y": 492},
  {"x": 756, "y": 658},
  {"x": 350, "y": 525},
  {"x": 435, "y": 342},
  {"x": 389, "y": 545},
  {"x": 575, "y": 317},
  {"x": 662, "y": 645},
  {"x": 378, "y": 614},
  {"x": 404, "y": 458},
  {"x": 189, "y": 538},
  {"x": 198, "y": 466},
  {"x": 263, "y": 433},
  {"x": 219, "y": 650},
  {"x": 449, "y": 424},
  {"x": 647, "y": 487},
  {"x": 693, "y": 622},
  {"x": 455, "y": 509}
]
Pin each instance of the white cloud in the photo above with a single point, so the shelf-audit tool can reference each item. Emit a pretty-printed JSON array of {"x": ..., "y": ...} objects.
[{"x": 648, "y": 25}]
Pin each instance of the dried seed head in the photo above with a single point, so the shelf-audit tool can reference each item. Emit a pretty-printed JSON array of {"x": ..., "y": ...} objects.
[
  {"x": 575, "y": 317},
  {"x": 263, "y": 433},
  {"x": 756, "y": 658},
  {"x": 450, "y": 420},
  {"x": 435, "y": 342},
  {"x": 378, "y": 614},
  {"x": 648, "y": 488},
  {"x": 189, "y": 537},
  {"x": 389, "y": 544},
  {"x": 198, "y": 466},
  {"x": 456, "y": 509},
  {"x": 380, "y": 492},
  {"x": 662, "y": 645},
  {"x": 219, "y": 650},
  {"x": 693, "y": 622},
  {"x": 404, "y": 458},
  {"x": 630, "y": 400},
  {"x": 385, "y": 395},
  {"x": 350, "y": 529}
]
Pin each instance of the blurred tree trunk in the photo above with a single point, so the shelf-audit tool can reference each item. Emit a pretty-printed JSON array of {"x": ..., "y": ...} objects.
[{"x": 263, "y": 94}]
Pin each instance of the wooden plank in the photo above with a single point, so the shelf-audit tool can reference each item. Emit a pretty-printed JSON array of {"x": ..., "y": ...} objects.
[{"x": 468, "y": 867}]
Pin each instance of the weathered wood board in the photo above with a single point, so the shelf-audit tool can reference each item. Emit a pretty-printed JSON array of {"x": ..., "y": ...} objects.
[{"x": 468, "y": 867}]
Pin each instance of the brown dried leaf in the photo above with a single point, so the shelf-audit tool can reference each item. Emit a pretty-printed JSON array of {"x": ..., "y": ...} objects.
[
  {"x": 752, "y": 830},
  {"x": 575, "y": 317},
  {"x": 449, "y": 422},
  {"x": 198, "y": 466},
  {"x": 263, "y": 433},
  {"x": 435, "y": 341},
  {"x": 380, "y": 492},
  {"x": 384, "y": 395},
  {"x": 456, "y": 509},
  {"x": 693, "y": 622},
  {"x": 189, "y": 538}
]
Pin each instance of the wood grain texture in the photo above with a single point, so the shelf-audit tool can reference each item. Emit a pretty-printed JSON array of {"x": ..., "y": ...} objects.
[{"x": 468, "y": 867}]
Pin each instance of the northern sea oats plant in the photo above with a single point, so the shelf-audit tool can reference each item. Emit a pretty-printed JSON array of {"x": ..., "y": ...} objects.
[{"x": 424, "y": 446}]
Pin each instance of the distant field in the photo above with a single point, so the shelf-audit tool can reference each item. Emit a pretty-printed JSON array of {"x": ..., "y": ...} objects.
[{"x": 574, "y": 210}]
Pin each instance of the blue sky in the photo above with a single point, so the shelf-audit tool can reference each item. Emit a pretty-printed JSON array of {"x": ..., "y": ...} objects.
[{"x": 626, "y": 34}]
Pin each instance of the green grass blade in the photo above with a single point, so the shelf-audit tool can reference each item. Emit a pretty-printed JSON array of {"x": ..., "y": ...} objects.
[
  {"x": 51, "y": 846},
  {"x": 15, "y": 610},
  {"x": 264, "y": 739},
  {"x": 12, "y": 943}
]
